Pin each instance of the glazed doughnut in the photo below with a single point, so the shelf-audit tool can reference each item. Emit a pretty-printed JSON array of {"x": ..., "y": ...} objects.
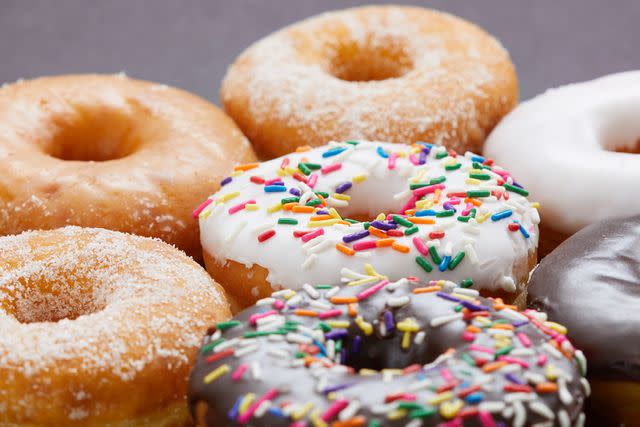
[
  {"x": 391, "y": 73},
  {"x": 99, "y": 328},
  {"x": 581, "y": 133},
  {"x": 591, "y": 283},
  {"x": 111, "y": 152},
  {"x": 354, "y": 356},
  {"x": 458, "y": 217}
]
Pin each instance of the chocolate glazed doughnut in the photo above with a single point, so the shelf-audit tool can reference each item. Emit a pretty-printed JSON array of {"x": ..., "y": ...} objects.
[
  {"x": 291, "y": 360},
  {"x": 591, "y": 283}
]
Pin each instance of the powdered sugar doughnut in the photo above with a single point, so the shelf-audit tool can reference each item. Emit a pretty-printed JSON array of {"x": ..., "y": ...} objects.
[
  {"x": 99, "y": 328},
  {"x": 447, "y": 216},
  {"x": 391, "y": 73}
]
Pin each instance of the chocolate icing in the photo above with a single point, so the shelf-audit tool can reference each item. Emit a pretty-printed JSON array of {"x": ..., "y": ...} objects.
[
  {"x": 591, "y": 284},
  {"x": 302, "y": 379}
]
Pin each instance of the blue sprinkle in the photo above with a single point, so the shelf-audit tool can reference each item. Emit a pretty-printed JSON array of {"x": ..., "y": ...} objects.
[
  {"x": 274, "y": 410},
  {"x": 478, "y": 159},
  {"x": 524, "y": 232},
  {"x": 275, "y": 188},
  {"x": 425, "y": 212},
  {"x": 474, "y": 397},
  {"x": 348, "y": 238},
  {"x": 425, "y": 144},
  {"x": 501, "y": 215},
  {"x": 233, "y": 413},
  {"x": 226, "y": 181},
  {"x": 333, "y": 152},
  {"x": 341, "y": 188},
  {"x": 382, "y": 153},
  {"x": 318, "y": 344},
  {"x": 445, "y": 263}
]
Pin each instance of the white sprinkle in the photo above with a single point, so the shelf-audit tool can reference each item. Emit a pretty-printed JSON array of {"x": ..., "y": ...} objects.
[
  {"x": 350, "y": 411},
  {"x": 262, "y": 409},
  {"x": 513, "y": 315},
  {"x": 541, "y": 409},
  {"x": 501, "y": 332},
  {"x": 235, "y": 230},
  {"x": 275, "y": 338},
  {"x": 520, "y": 415},
  {"x": 398, "y": 301},
  {"x": 580, "y": 421},
  {"x": 419, "y": 338},
  {"x": 278, "y": 353},
  {"x": 331, "y": 349},
  {"x": 552, "y": 350},
  {"x": 563, "y": 392},
  {"x": 298, "y": 338},
  {"x": 563, "y": 418},
  {"x": 442, "y": 320},
  {"x": 507, "y": 283},
  {"x": 309, "y": 261},
  {"x": 256, "y": 371},
  {"x": 543, "y": 424},
  {"x": 216, "y": 335},
  {"x": 468, "y": 292},
  {"x": 332, "y": 292},
  {"x": 241, "y": 352},
  {"x": 520, "y": 397},
  {"x": 492, "y": 407},
  {"x": 395, "y": 285},
  {"x": 533, "y": 377},
  {"x": 586, "y": 386},
  {"x": 294, "y": 300},
  {"x": 320, "y": 305},
  {"x": 448, "y": 249},
  {"x": 337, "y": 203},
  {"x": 420, "y": 385},
  {"x": 582, "y": 362},
  {"x": 226, "y": 344}
]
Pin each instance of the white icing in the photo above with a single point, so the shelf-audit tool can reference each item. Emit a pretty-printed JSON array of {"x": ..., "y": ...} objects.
[
  {"x": 571, "y": 133},
  {"x": 291, "y": 262}
]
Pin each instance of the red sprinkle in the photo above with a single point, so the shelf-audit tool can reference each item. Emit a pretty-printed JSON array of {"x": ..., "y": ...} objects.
[
  {"x": 394, "y": 233},
  {"x": 362, "y": 246},
  {"x": 221, "y": 355},
  {"x": 436, "y": 235},
  {"x": 299, "y": 177},
  {"x": 256, "y": 179},
  {"x": 200, "y": 208},
  {"x": 312, "y": 235},
  {"x": 514, "y": 226},
  {"x": 266, "y": 235}
]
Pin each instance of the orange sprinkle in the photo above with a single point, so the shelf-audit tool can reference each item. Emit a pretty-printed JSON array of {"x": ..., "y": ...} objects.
[
  {"x": 383, "y": 243},
  {"x": 474, "y": 202},
  {"x": 400, "y": 248},
  {"x": 307, "y": 313},
  {"x": 357, "y": 421},
  {"x": 343, "y": 300},
  {"x": 246, "y": 166},
  {"x": 320, "y": 217},
  {"x": 494, "y": 366},
  {"x": 324, "y": 202},
  {"x": 303, "y": 148},
  {"x": 436, "y": 196},
  {"x": 426, "y": 289},
  {"x": 377, "y": 232},
  {"x": 502, "y": 326},
  {"x": 546, "y": 387},
  {"x": 421, "y": 220},
  {"x": 343, "y": 222},
  {"x": 353, "y": 309},
  {"x": 289, "y": 206},
  {"x": 303, "y": 209},
  {"x": 473, "y": 329},
  {"x": 345, "y": 249}
]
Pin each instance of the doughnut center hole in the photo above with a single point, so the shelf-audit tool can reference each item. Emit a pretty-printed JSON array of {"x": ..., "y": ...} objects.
[
  {"x": 97, "y": 133},
  {"x": 373, "y": 60}
]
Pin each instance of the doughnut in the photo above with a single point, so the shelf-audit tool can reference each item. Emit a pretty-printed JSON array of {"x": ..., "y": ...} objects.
[
  {"x": 459, "y": 217},
  {"x": 404, "y": 353},
  {"x": 391, "y": 73},
  {"x": 111, "y": 152},
  {"x": 581, "y": 133},
  {"x": 99, "y": 328},
  {"x": 591, "y": 283}
]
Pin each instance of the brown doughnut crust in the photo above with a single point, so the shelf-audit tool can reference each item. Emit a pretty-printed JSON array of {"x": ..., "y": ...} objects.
[
  {"x": 99, "y": 328},
  {"x": 111, "y": 152},
  {"x": 549, "y": 239},
  {"x": 235, "y": 276},
  {"x": 389, "y": 73}
]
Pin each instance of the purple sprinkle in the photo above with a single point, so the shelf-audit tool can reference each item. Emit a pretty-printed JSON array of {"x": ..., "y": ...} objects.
[
  {"x": 336, "y": 387},
  {"x": 295, "y": 192},
  {"x": 384, "y": 226},
  {"x": 422, "y": 157},
  {"x": 517, "y": 185},
  {"x": 475, "y": 307},
  {"x": 446, "y": 296},
  {"x": 336, "y": 334},
  {"x": 348, "y": 238},
  {"x": 389, "y": 322},
  {"x": 511, "y": 377},
  {"x": 448, "y": 206},
  {"x": 343, "y": 356},
  {"x": 341, "y": 188},
  {"x": 226, "y": 181},
  {"x": 322, "y": 212},
  {"x": 357, "y": 341},
  {"x": 521, "y": 323}
]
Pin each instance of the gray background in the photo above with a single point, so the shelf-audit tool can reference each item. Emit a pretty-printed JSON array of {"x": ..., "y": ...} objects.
[{"x": 189, "y": 43}]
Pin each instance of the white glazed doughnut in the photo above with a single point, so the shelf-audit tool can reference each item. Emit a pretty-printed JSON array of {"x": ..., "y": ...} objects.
[
  {"x": 586, "y": 137},
  {"x": 252, "y": 230}
]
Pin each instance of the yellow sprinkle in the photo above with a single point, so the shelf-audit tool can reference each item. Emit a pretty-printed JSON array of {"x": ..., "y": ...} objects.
[
  {"x": 535, "y": 205},
  {"x": 359, "y": 178},
  {"x": 448, "y": 161},
  {"x": 281, "y": 172},
  {"x": 550, "y": 372},
  {"x": 338, "y": 323},
  {"x": 472, "y": 181},
  {"x": 365, "y": 371},
  {"x": 401, "y": 154},
  {"x": 290, "y": 293},
  {"x": 396, "y": 414},
  {"x": 216, "y": 373},
  {"x": 464, "y": 297},
  {"x": 424, "y": 204},
  {"x": 205, "y": 214},
  {"x": 316, "y": 420},
  {"x": 251, "y": 207},
  {"x": 334, "y": 213},
  {"x": 237, "y": 173},
  {"x": 440, "y": 397},
  {"x": 229, "y": 196},
  {"x": 363, "y": 281},
  {"x": 274, "y": 208},
  {"x": 392, "y": 372},
  {"x": 406, "y": 340},
  {"x": 483, "y": 218},
  {"x": 482, "y": 320},
  {"x": 368, "y": 268},
  {"x": 323, "y": 223},
  {"x": 474, "y": 170},
  {"x": 290, "y": 170},
  {"x": 408, "y": 325},
  {"x": 449, "y": 410},
  {"x": 340, "y": 196},
  {"x": 296, "y": 415},
  {"x": 381, "y": 216},
  {"x": 248, "y": 400},
  {"x": 366, "y": 327},
  {"x": 557, "y": 327}
]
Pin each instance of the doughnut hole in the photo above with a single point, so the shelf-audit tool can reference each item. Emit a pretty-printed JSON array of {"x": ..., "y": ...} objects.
[
  {"x": 98, "y": 133},
  {"x": 378, "y": 58}
]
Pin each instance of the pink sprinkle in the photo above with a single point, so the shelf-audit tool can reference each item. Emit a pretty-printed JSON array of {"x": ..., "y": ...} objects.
[
  {"x": 446, "y": 374},
  {"x": 330, "y": 313},
  {"x": 454, "y": 201},
  {"x": 467, "y": 209},
  {"x": 372, "y": 290},
  {"x": 483, "y": 349},
  {"x": 409, "y": 205},
  {"x": 331, "y": 168},
  {"x": 468, "y": 336},
  {"x": 542, "y": 359},
  {"x": 414, "y": 159},
  {"x": 239, "y": 372},
  {"x": 312, "y": 235},
  {"x": 313, "y": 179},
  {"x": 333, "y": 410},
  {"x": 391, "y": 164},
  {"x": 200, "y": 208},
  {"x": 456, "y": 422},
  {"x": 560, "y": 338},
  {"x": 515, "y": 360},
  {"x": 486, "y": 420},
  {"x": 428, "y": 189},
  {"x": 254, "y": 318},
  {"x": 278, "y": 304},
  {"x": 420, "y": 246},
  {"x": 271, "y": 181},
  {"x": 298, "y": 424},
  {"x": 503, "y": 174},
  {"x": 524, "y": 339},
  {"x": 246, "y": 416},
  {"x": 239, "y": 206},
  {"x": 367, "y": 244}
]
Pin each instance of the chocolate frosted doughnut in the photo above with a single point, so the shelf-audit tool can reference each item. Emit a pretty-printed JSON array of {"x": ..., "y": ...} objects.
[
  {"x": 425, "y": 354},
  {"x": 591, "y": 284}
]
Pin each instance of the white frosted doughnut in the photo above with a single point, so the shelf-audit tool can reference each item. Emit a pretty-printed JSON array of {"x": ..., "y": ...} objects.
[{"x": 359, "y": 180}]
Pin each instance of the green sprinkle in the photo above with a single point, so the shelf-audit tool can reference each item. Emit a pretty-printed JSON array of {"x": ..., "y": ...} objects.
[
  {"x": 456, "y": 260},
  {"x": 472, "y": 213},
  {"x": 325, "y": 328},
  {"x": 402, "y": 221},
  {"x": 468, "y": 359},
  {"x": 453, "y": 167},
  {"x": 324, "y": 286},
  {"x": 289, "y": 221},
  {"x": 422, "y": 413},
  {"x": 374, "y": 423},
  {"x": 438, "y": 180},
  {"x": 458, "y": 308},
  {"x": 338, "y": 346},
  {"x": 207, "y": 348},
  {"x": 520, "y": 191},
  {"x": 322, "y": 193},
  {"x": 352, "y": 142},
  {"x": 290, "y": 200},
  {"x": 351, "y": 221},
  {"x": 464, "y": 218},
  {"x": 409, "y": 405},
  {"x": 366, "y": 225},
  {"x": 411, "y": 230},
  {"x": 478, "y": 193},
  {"x": 477, "y": 165},
  {"x": 313, "y": 166},
  {"x": 466, "y": 283},
  {"x": 445, "y": 213},
  {"x": 300, "y": 354},
  {"x": 424, "y": 264},
  {"x": 442, "y": 155},
  {"x": 304, "y": 169},
  {"x": 503, "y": 351},
  {"x": 419, "y": 185},
  {"x": 314, "y": 202},
  {"x": 480, "y": 176},
  {"x": 434, "y": 255},
  {"x": 255, "y": 334},
  {"x": 223, "y": 326}
]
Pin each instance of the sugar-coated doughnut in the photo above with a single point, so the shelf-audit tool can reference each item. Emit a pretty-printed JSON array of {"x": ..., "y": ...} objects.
[
  {"x": 591, "y": 283},
  {"x": 387, "y": 354},
  {"x": 458, "y": 217},
  {"x": 586, "y": 139},
  {"x": 99, "y": 328},
  {"x": 111, "y": 152},
  {"x": 391, "y": 73}
]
